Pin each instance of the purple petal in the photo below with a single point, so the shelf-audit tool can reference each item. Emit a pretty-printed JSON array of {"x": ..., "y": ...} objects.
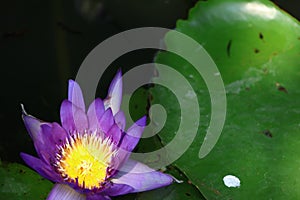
[
  {"x": 97, "y": 197},
  {"x": 33, "y": 125},
  {"x": 120, "y": 119},
  {"x": 141, "y": 177},
  {"x": 114, "y": 97},
  {"x": 72, "y": 118},
  {"x": 66, "y": 115},
  {"x": 115, "y": 133},
  {"x": 121, "y": 157},
  {"x": 75, "y": 95},
  {"x": 81, "y": 120},
  {"x": 106, "y": 121},
  {"x": 64, "y": 192},
  {"x": 54, "y": 135},
  {"x": 118, "y": 189},
  {"x": 47, "y": 137},
  {"x": 40, "y": 167},
  {"x": 94, "y": 113},
  {"x": 133, "y": 135}
]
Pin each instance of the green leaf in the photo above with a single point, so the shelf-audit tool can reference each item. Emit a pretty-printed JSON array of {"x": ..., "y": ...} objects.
[
  {"x": 239, "y": 34},
  {"x": 20, "y": 182},
  {"x": 256, "y": 47}
]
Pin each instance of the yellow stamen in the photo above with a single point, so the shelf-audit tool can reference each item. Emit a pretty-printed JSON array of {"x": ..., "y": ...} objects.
[{"x": 85, "y": 159}]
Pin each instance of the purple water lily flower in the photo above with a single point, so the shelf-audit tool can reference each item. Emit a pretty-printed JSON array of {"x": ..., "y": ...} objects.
[{"x": 87, "y": 156}]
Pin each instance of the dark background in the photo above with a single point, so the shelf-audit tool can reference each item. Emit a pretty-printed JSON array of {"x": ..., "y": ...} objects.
[{"x": 43, "y": 43}]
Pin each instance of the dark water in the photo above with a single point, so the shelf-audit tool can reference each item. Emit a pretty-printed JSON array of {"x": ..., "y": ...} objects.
[{"x": 42, "y": 45}]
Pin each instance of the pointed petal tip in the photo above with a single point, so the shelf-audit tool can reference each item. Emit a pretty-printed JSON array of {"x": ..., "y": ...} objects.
[
  {"x": 117, "y": 80},
  {"x": 22, "y": 154},
  {"x": 119, "y": 73},
  {"x": 25, "y": 114},
  {"x": 71, "y": 81},
  {"x": 33, "y": 126},
  {"x": 75, "y": 94},
  {"x": 23, "y": 109},
  {"x": 114, "y": 96}
]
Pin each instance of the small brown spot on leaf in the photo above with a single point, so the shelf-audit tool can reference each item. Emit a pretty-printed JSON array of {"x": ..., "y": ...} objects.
[
  {"x": 189, "y": 182},
  {"x": 228, "y": 47},
  {"x": 281, "y": 88},
  {"x": 217, "y": 192},
  {"x": 187, "y": 194},
  {"x": 150, "y": 97},
  {"x": 261, "y": 36},
  {"x": 256, "y": 50},
  {"x": 267, "y": 133},
  {"x": 149, "y": 100}
]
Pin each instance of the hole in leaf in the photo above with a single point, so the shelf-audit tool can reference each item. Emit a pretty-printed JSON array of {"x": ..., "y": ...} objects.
[
  {"x": 187, "y": 194},
  {"x": 267, "y": 133},
  {"x": 261, "y": 36},
  {"x": 281, "y": 88}
]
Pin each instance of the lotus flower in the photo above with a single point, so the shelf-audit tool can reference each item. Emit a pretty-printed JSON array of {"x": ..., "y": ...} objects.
[{"x": 87, "y": 156}]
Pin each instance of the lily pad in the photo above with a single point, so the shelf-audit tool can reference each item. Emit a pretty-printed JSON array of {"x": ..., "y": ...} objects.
[
  {"x": 256, "y": 47},
  {"x": 20, "y": 182}
]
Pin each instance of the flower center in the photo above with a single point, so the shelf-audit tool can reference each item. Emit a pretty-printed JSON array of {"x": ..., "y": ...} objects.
[{"x": 85, "y": 159}]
